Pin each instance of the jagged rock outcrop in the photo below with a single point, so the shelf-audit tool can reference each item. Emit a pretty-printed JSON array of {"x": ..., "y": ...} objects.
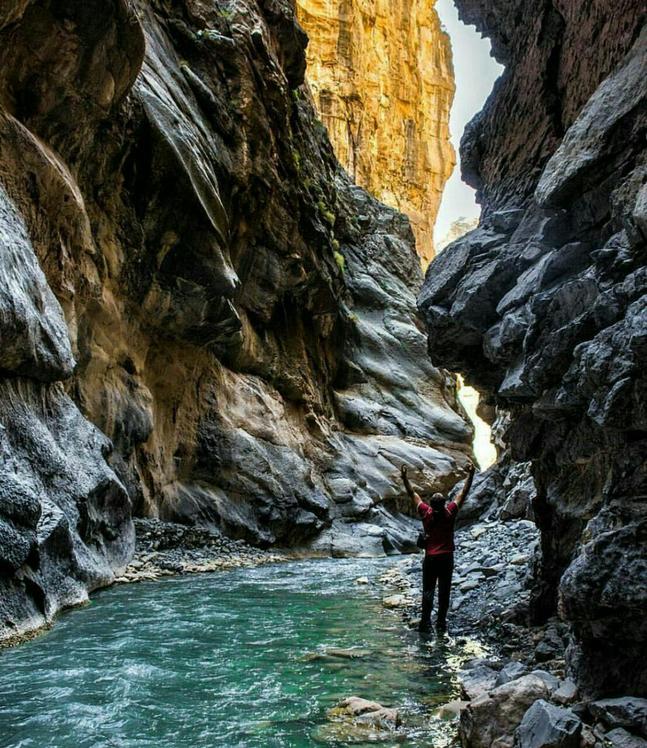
[
  {"x": 200, "y": 315},
  {"x": 382, "y": 79},
  {"x": 544, "y": 306}
]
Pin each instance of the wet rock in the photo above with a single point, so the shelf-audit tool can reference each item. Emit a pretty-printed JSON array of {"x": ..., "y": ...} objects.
[
  {"x": 545, "y": 725},
  {"x": 370, "y": 711},
  {"x": 356, "y": 720},
  {"x": 451, "y": 709},
  {"x": 347, "y": 654},
  {"x": 396, "y": 601},
  {"x": 333, "y": 653}
]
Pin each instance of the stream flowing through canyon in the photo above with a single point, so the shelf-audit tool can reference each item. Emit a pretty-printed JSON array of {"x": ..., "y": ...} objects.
[{"x": 251, "y": 657}]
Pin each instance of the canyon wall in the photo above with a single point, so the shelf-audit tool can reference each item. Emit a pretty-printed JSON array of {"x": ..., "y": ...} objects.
[
  {"x": 382, "y": 80},
  {"x": 544, "y": 306},
  {"x": 202, "y": 318}
]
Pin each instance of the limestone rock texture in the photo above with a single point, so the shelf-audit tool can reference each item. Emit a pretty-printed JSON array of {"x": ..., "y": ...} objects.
[
  {"x": 544, "y": 306},
  {"x": 382, "y": 79},
  {"x": 201, "y": 318}
]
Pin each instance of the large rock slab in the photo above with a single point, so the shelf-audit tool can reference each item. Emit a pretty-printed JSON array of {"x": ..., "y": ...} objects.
[
  {"x": 627, "y": 711},
  {"x": 496, "y": 714},
  {"x": 35, "y": 339},
  {"x": 545, "y": 725},
  {"x": 65, "y": 526}
]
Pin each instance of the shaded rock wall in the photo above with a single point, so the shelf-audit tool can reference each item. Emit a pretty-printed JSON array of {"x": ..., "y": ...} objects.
[
  {"x": 383, "y": 83},
  {"x": 543, "y": 307},
  {"x": 200, "y": 316}
]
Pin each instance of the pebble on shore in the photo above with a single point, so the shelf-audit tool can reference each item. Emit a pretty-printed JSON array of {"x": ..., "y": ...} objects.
[{"x": 166, "y": 549}]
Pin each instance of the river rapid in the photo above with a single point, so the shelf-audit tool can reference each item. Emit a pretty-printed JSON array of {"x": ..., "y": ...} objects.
[{"x": 250, "y": 657}]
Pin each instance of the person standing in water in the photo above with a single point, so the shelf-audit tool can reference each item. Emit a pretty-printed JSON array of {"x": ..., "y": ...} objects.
[{"x": 438, "y": 519}]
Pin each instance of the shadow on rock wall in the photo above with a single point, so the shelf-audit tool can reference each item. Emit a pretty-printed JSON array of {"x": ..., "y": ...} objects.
[
  {"x": 200, "y": 314},
  {"x": 544, "y": 306}
]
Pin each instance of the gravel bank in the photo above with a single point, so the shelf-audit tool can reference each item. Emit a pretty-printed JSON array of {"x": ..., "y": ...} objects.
[{"x": 165, "y": 549}]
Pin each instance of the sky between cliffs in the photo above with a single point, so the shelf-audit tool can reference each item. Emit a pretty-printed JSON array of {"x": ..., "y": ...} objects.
[{"x": 475, "y": 72}]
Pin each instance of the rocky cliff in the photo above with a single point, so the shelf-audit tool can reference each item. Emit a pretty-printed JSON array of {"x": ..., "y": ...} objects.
[
  {"x": 383, "y": 83},
  {"x": 202, "y": 319},
  {"x": 544, "y": 306}
]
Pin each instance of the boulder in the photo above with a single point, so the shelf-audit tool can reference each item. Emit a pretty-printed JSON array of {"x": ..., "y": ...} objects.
[
  {"x": 511, "y": 671},
  {"x": 551, "y": 681},
  {"x": 620, "y": 738},
  {"x": 498, "y": 713},
  {"x": 550, "y": 647},
  {"x": 396, "y": 601},
  {"x": 357, "y": 720},
  {"x": 478, "y": 680},
  {"x": 368, "y": 712},
  {"x": 628, "y": 711},
  {"x": 545, "y": 725},
  {"x": 451, "y": 709},
  {"x": 518, "y": 492},
  {"x": 566, "y": 693}
]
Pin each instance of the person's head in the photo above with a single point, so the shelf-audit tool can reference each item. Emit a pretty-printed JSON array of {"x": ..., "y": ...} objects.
[{"x": 437, "y": 501}]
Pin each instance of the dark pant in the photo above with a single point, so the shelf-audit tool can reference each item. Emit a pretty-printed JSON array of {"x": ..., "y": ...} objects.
[{"x": 434, "y": 568}]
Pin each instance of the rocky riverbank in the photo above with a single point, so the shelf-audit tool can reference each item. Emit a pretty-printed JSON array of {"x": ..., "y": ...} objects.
[
  {"x": 520, "y": 694},
  {"x": 165, "y": 549}
]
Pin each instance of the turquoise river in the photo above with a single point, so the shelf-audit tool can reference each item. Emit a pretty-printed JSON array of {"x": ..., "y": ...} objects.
[{"x": 239, "y": 658}]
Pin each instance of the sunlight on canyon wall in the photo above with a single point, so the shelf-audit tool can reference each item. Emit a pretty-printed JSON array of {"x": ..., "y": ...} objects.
[
  {"x": 484, "y": 450},
  {"x": 382, "y": 79}
]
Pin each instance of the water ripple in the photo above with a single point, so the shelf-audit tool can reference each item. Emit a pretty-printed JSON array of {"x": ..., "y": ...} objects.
[{"x": 242, "y": 658}]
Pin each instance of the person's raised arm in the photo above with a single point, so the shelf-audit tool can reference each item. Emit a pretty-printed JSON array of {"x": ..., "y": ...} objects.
[
  {"x": 407, "y": 484},
  {"x": 466, "y": 486}
]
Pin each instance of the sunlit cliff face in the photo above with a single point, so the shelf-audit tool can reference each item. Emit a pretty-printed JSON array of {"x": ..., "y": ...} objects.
[{"x": 382, "y": 79}]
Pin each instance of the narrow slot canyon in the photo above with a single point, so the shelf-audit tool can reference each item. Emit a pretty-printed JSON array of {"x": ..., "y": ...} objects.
[{"x": 275, "y": 277}]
